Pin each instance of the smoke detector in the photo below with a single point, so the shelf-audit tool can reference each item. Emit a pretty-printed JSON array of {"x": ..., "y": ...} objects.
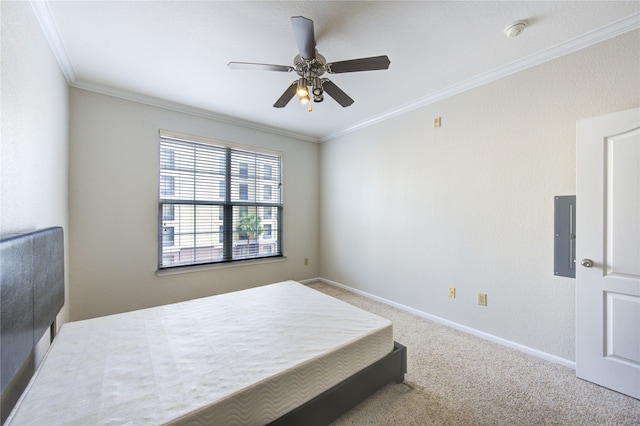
[{"x": 515, "y": 29}]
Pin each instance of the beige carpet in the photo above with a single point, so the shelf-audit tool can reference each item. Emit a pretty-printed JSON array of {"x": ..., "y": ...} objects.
[{"x": 455, "y": 378}]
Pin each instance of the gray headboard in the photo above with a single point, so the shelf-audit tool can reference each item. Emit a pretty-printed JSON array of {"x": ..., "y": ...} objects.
[{"x": 32, "y": 294}]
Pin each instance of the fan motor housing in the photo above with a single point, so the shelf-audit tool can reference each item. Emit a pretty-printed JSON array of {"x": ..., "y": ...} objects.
[{"x": 310, "y": 68}]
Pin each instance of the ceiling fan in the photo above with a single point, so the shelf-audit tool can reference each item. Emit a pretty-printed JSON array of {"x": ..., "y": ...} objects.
[{"x": 310, "y": 65}]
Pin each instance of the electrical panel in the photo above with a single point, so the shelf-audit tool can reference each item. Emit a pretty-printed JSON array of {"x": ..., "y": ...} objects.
[{"x": 564, "y": 246}]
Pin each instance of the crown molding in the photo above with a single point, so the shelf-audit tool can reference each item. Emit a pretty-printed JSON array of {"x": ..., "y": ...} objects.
[
  {"x": 52, "y": 34},
  {"x": 625, "y": 25},
  {"x": 187, "y": 109}
]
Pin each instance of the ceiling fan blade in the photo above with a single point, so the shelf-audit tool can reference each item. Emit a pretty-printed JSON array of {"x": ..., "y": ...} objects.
[
  {"x": 303, "y": 31},
  {"x": 258, "y": 67},
  {"x": 336, "y": 93},
  {"x": 287, "y": 95},
  {"x": 363, "y": 64}
]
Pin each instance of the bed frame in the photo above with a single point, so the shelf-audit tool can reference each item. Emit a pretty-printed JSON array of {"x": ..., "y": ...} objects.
[
  {"x": 334, "y": 402},
  {"x": 32, "y": 284}
]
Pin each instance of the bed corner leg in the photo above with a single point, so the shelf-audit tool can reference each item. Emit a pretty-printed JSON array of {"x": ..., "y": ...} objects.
[
  {"x": 401, "y": 350},
  {"x": 53, "y": 329}
]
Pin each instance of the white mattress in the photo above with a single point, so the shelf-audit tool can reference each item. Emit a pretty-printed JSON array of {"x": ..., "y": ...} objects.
[{"x": 246, "y": 358}]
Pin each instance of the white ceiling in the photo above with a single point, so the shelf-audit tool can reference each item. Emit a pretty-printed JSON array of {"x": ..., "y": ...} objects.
[{"x": 175, "y": 53}]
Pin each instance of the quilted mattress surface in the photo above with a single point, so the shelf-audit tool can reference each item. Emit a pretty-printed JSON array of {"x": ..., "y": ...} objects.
[{"x": 244, "y": 358}]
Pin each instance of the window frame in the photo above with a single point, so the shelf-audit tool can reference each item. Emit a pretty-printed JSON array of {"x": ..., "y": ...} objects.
[{"x": 229, "y": 207}]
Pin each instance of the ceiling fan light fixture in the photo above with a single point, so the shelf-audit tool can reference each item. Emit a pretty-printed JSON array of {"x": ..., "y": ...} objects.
[
  {"x": 302, "y": 89},
  {"x": 304, "y": 99},
  {"x": 317, "y": 87}
]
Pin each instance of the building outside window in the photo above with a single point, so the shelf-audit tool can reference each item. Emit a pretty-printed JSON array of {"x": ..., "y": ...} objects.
[
  {"x": 244, "y": 191},
  {"x": 244, "y": 171},
  {"x": 210, "y": 199},
  {"x": 167, "y": 185},
  {"x": 168, "y": 212},
  {"x": 168, "y": 236},
  {"x": 267, "y": 172}
]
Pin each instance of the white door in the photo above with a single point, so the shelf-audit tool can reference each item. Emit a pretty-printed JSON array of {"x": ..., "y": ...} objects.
[{"x": 608, "y": 251}]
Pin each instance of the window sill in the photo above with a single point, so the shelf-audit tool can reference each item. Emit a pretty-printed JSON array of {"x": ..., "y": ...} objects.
[{"x": 206, "y": 267}]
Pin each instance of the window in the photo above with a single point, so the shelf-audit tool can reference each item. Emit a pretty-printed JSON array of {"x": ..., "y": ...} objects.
[
  {"x": 244, "y": 171},
  {"x": 167, "y": 236},
  {"x": 167, "y": 158},
  {"x": 167, "y": 185},
  {"x": 210, "y": 199},
  {"x": 244, "y": 191},
  {"x": 168, "y": 212}
]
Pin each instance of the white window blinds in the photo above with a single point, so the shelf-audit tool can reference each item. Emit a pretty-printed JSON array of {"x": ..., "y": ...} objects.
[{"x": 217, "y": 203}]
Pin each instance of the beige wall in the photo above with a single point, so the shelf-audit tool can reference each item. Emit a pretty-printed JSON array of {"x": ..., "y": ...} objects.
[
  {"x": 34, "y": 139},
  {"x": 408, "y": 210},
  {"x": 113, "y": 203}
]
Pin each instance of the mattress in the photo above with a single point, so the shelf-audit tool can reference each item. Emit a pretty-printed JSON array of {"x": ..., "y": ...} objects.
[{"x": 246, "y": 357}]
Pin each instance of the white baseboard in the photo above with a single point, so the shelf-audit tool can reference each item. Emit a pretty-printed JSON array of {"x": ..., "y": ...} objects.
[
  {"x": 504, "y": 342},
  {"x": 313, "y": 280}
]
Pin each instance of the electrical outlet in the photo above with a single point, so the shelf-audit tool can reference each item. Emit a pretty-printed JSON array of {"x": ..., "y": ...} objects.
[
  {"x": 306, "y": 261},
  {"x": 436, "y": 122},
  {"x": 482, "y": 299},
  {"x": 452, "y": 292}
]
